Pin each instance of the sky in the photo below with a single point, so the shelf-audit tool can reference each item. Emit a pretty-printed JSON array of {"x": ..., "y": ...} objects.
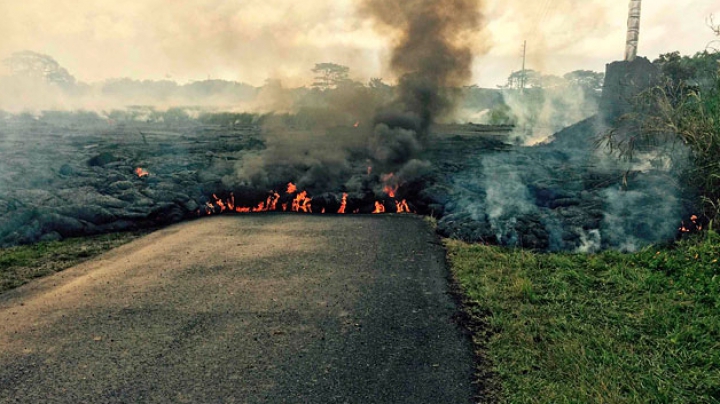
[{"x": 256, "y": 40}]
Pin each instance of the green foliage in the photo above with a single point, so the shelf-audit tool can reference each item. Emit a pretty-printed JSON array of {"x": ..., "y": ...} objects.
[
  {"x": 501, "y": 115},
  {"x": 522, "y": 79},
  {"x": 174, "y": 116},
  {"x": 329, "y": 75},
  {"x": 700, "y": 69},
  {"x": 19, "y": 265},
  {"x": 684, "y": 109},
  {"x": 591, "y": 82},
  {"x": 606, "y": 328},
  {"x": 39, "y": 66}
]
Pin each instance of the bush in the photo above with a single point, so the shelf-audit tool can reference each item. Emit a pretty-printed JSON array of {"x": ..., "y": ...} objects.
[{"x": 685, "y": 110}]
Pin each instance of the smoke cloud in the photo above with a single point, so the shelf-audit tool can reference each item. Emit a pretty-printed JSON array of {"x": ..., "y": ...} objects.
[
  {"x": 433, "y": 46},
  {"x": 433, "y": 50}
]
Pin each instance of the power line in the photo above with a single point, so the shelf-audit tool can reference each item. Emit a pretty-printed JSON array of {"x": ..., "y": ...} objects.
[{"x": 545, "y": 11}]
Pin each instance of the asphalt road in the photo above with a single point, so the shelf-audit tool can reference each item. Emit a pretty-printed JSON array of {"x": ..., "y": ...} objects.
[{"x": 266, "y": 308}]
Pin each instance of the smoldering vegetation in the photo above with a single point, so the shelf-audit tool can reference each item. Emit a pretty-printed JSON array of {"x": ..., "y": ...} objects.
[{"x": 564, "y": 195}]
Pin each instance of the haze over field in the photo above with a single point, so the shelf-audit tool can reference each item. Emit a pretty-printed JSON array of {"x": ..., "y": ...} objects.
[{"x": 252, "y": 41}]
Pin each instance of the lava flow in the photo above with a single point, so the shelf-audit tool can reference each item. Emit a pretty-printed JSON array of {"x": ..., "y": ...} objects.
[
  {"x": 141, "y": 172},
  {"x": 692, "y": 227},
  {"x": 300, "y": 201}
]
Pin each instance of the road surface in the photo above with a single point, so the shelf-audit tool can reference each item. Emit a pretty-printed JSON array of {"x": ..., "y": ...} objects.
[{"x": 266, "y": 308}]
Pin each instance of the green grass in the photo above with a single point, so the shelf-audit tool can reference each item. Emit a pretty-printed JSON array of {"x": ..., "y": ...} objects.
[
  {"x": 606, "y": 328},
  {"x": 20, "y": 265}
]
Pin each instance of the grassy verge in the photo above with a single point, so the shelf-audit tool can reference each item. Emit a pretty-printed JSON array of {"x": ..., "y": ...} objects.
[
  {"x": 606, "y": 328},
  {"x": 19, "y": 265}
]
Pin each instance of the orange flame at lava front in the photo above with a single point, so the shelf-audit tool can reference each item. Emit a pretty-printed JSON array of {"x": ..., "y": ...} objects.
[
  {"x": 343, "y": 204},
  {"x": 390, "y": 190},
  {"x": 402, "y": 207},
  {"x": 301, "y": 203},
  {"x": 219, "y": 203},
  {"x": 379, "y": 208},
  {"x": 390, "y": 187},
  {"x": 141, "y": 172}
]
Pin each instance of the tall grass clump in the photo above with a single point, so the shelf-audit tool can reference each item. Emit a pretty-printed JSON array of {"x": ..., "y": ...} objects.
[{"x": 681, "y": 112}]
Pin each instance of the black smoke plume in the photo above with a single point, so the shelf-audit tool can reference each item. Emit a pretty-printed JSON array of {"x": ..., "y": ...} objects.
[{"x": 432, "y": 55}]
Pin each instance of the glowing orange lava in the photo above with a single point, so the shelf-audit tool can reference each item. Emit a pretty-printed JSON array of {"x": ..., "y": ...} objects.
[
  {"x": 379, "y": 208},
  {"x": 141, "y": 172},
  {"x": 301, "y": 202},
  {"x": 343, "y": 204},
  {"x": 690, "y": 227},
  {"x": 402, "y": 207}
]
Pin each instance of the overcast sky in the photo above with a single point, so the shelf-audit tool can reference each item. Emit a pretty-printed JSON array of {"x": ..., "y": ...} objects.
[{"x": 253, "y": 40}]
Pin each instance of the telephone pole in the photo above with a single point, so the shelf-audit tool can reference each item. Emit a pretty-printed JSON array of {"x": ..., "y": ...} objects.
[
  {"x": 633, "y": 34},
  {"x": 523, "y": 79}
]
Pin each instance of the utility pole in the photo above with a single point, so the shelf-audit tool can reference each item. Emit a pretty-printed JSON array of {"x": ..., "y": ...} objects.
[
  {"x": 523, "y": 79},
  {"x": 633, "y": 34}
]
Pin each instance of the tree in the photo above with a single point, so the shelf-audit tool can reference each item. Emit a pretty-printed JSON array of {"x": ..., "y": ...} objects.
[
  {"x": 377, "y": 84},
  {"x": 524, "y": 79},
  {"x": 591, "y": 82},
  {"x": 329, "y": 75},
  {"x": 39, "y": 66},
  {"x": 700, "y": 69}
]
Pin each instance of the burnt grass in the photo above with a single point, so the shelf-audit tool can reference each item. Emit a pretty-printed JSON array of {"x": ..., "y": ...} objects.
[{"x": 63, "y": 179}]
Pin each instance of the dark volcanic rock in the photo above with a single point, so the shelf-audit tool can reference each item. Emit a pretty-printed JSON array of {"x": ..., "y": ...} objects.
[
  {"x": 102, "y": 159},
  {"x": 466, "y": 227},
  {"x": 556, "y": 196},
  {"x": 70, "y": 184}
]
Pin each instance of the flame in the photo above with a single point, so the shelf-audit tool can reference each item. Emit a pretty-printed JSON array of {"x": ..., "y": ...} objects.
[
  {"x": 390, "y": 190},
  {"x": 141, "y": 172},
  {"x": 402, "y": 207},
  {"x": 391, "y": 186},
  {"x": 301, "y": 203},
  {"x": 357, "y": 124},
  {"x": 379, "y": 208},
  {"x": 343, "y": 204},
  {"x": 273, "y": 200},
  {"x": 220, "y": 204},
  {"x": 691, "y": 227}
]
